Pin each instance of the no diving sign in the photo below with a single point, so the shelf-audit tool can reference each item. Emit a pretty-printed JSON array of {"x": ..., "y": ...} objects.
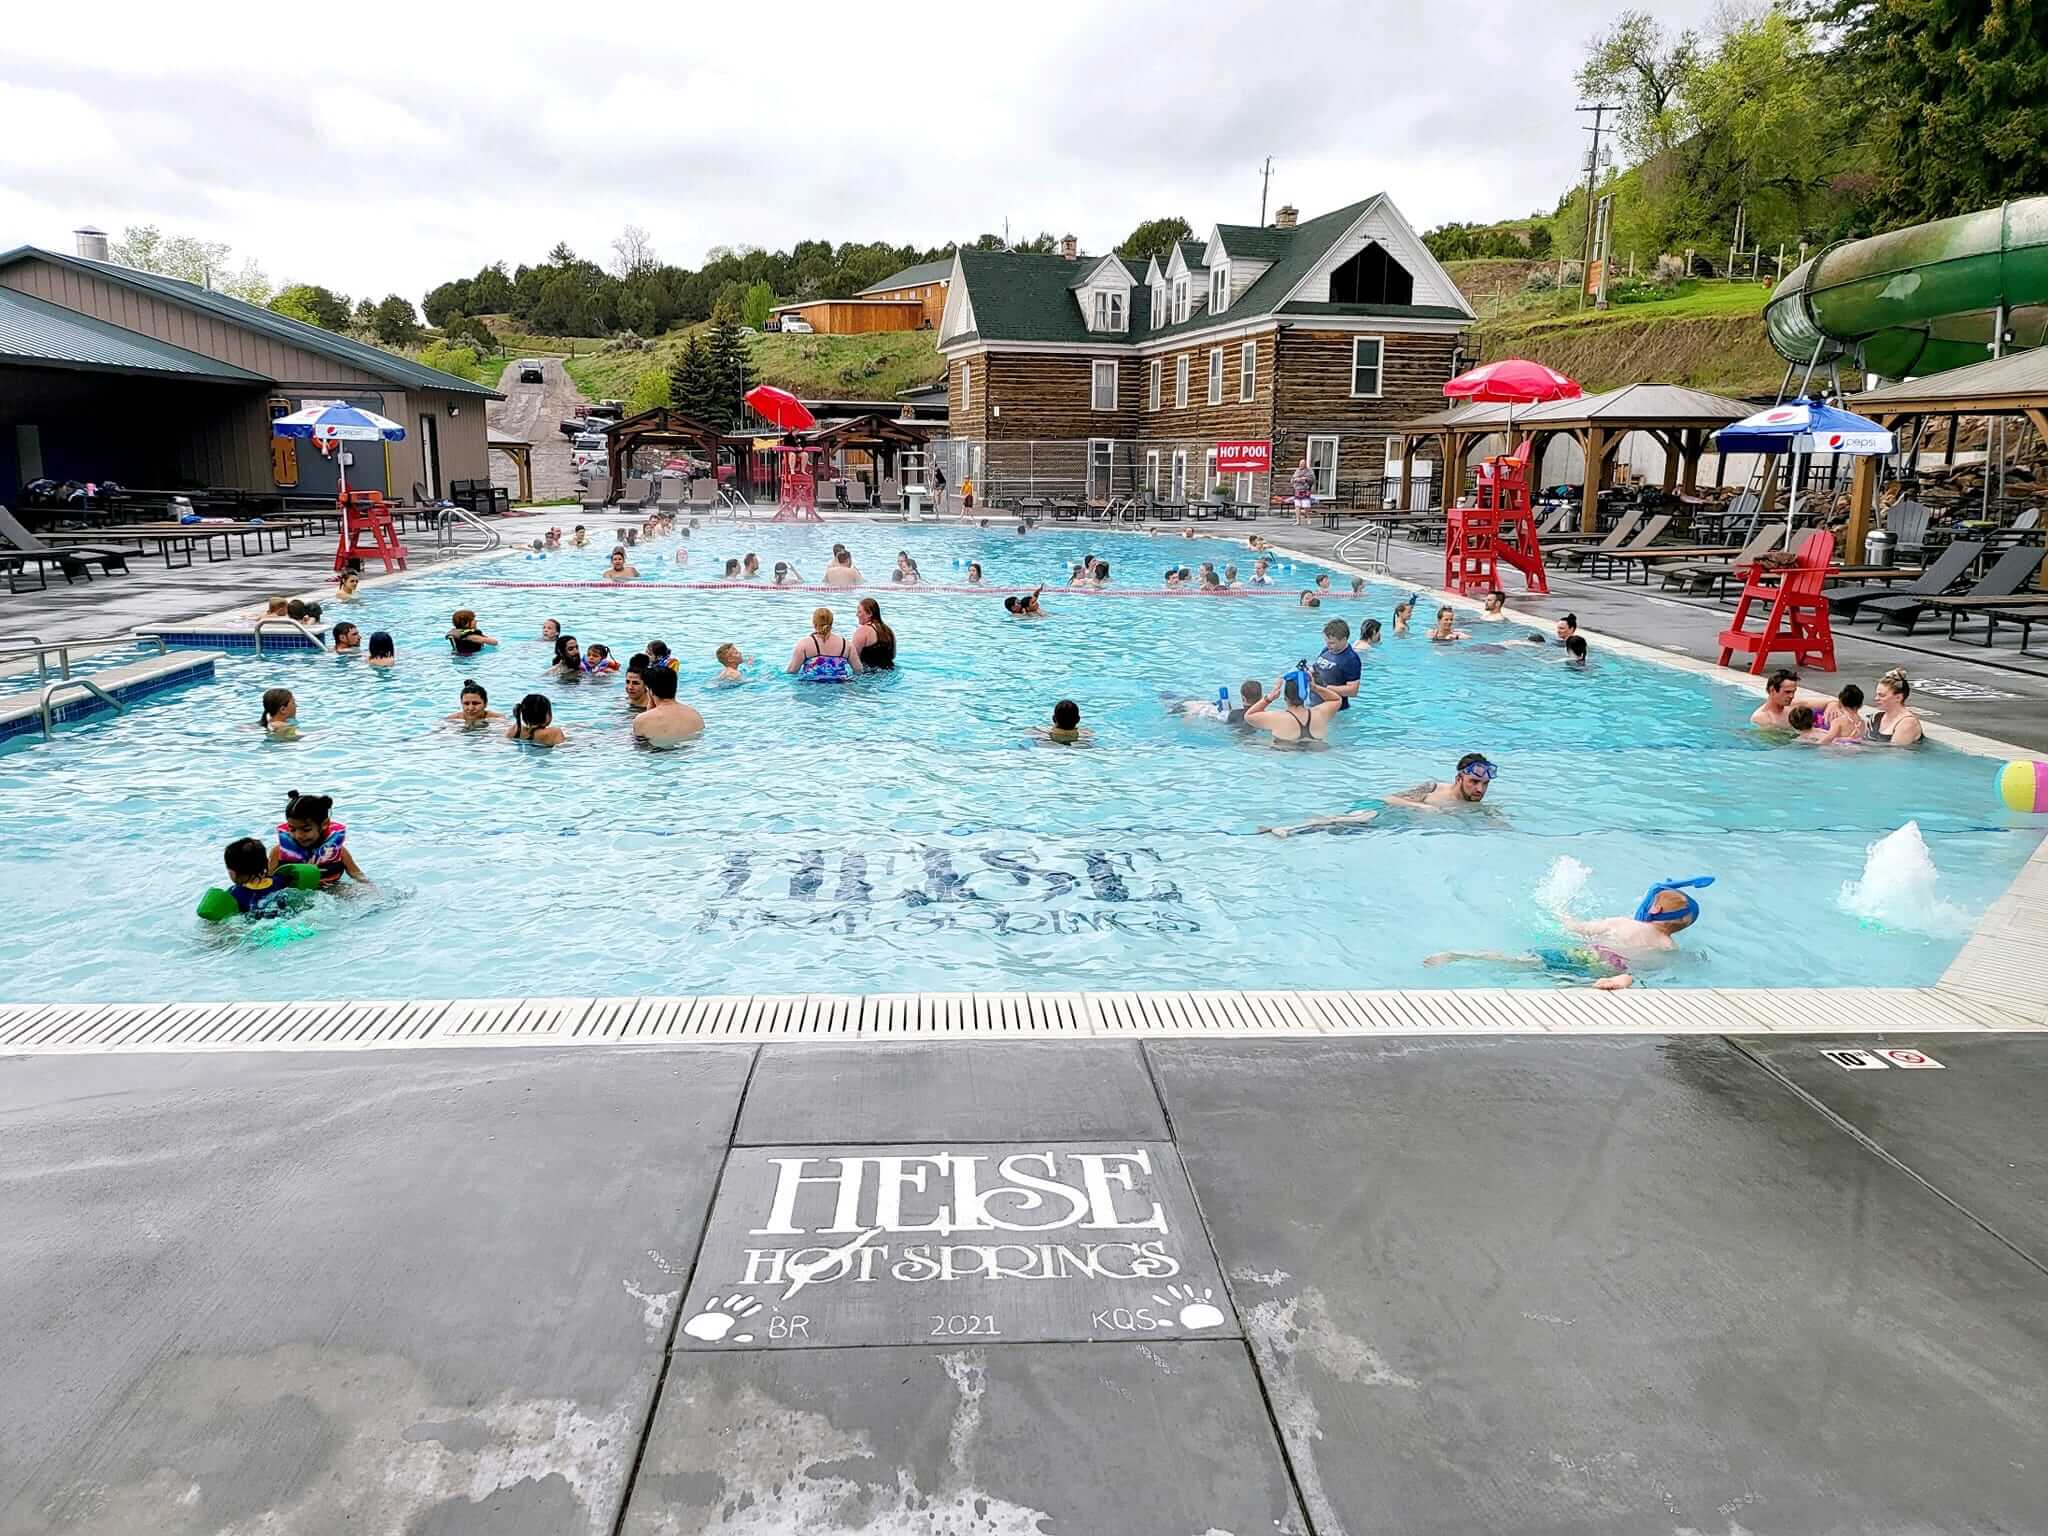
[{"x": 1877, "y": 1061}]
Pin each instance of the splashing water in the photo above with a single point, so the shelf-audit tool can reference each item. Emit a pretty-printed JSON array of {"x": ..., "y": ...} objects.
[
  {"x": 1562, "y": 885},
  {"x": 1898, "y": 888}
]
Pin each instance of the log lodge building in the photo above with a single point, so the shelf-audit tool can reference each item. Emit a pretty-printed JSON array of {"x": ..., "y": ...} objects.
[{"x": 1070, "y": 374}]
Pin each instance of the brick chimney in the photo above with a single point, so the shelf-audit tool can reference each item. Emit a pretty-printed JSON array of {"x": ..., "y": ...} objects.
[
  {"x": 1069, "y": 250},
  {"x": 1283, "y": 217},
  {"x": 92, "y": 243}
]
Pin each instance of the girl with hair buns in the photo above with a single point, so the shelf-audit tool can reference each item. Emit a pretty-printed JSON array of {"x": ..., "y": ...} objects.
[{"x": 1893, "y": 724}]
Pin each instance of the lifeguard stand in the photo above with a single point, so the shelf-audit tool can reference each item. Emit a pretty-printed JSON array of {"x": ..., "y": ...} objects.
[
  {"x": 367, "y": 531},
  {"x": 796, "y": 484},
  {"x": 1497, "y": 526}
]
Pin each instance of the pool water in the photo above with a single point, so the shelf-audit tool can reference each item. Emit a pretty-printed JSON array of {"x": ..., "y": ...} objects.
[{"x": 903, "y": 832}]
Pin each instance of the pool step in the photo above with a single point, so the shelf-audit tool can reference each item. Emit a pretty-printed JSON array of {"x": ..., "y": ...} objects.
[
  {"x": 21, "y": 714},
  {"x": 32, "y": 1029}
]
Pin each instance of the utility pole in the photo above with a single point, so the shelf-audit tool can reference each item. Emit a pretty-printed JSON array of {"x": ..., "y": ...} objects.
[
  {"x": 1265, "y": 181},
  {"x": 1599, "y": 111}
]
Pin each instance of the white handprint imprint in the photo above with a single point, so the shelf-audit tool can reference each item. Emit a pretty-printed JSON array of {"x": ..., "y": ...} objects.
[
  {"x": 1195, "y": 1311},
  {"x": 719, "y": 1314}
]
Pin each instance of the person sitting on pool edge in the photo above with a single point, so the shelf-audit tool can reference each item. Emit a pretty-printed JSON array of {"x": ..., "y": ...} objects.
[
  {"x": 1305, "y": 715},
  {"x": 1066, "y": 729},
  {"x": 252, "y": 889},
  {"x": 1337, "y": 670},
  {"x": 666, "y": 721},
  {"x": 1614, "y": 945},
  {"x": 821, "y": 656},
  {"x": 476, "y": 705},
  {"x": 533, "y": 721},
  {"x": 465, "y": 638}
]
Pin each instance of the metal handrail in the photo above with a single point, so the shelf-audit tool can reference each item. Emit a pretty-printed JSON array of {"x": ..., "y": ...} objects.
[
  {"x": 444, "y": 527},
  {"x": 1368, "y": 528},
  {"x": 36, "y": 646},
  {"x": 43, "y": 702},
  {"x": 274, "y": 619}
]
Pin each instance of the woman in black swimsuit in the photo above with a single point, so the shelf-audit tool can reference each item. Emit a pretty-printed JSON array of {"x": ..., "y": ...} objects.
[{"x": 873, "y": 639}]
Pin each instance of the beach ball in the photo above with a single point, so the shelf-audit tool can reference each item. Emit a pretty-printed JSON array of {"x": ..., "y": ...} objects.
[{"x": 2024, "y": 787}]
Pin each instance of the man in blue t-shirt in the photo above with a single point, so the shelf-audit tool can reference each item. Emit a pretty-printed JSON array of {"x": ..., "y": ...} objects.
[{"x": 1337, "y": 669}]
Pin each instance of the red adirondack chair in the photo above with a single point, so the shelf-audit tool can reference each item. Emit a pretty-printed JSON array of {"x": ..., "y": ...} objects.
[{"x": 1797, "y": 617}]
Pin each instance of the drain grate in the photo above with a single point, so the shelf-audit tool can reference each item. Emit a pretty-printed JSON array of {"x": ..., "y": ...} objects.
[{"x": 58, "y": 1028}]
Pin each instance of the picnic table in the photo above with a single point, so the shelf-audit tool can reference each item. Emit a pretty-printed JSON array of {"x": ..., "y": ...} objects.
[{"x": 172, "y": 539}]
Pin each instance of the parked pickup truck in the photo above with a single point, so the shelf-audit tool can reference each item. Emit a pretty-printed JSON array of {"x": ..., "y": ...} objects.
[
  {"x": 576, "y": 426},
  {"x": 606, "y": 410}
]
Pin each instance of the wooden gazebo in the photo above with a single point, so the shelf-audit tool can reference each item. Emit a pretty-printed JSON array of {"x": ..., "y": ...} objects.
[
  {"x": 662, "y": 427},
  {"x": 2015, "y": 386},
  {"x": 880, "y": 437},
  {"x": 1680, "y": 420},
  {"x": 520, "y": 452},
  {"x": 1455, "y": 431}
]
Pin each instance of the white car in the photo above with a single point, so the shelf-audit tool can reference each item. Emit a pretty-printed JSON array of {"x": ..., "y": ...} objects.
[{"x": 797, "y": 324}]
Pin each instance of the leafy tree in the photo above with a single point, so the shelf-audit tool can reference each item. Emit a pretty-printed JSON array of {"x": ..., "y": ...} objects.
[
  {"x": 395, "y": 322},
  {"x": 1954, "y": 94},
  {"x": 1638, "y": 64},
  {"x": 561, "y": 255},
  {"x": 205, "y": 262},
  {"x": 652, "y": 388},
  {"x": 470, "y": 330},
  {"x": 759, "y": 301},
  {"x": 725, "y": 309},
  {"x": 458, "y": 359},
  {"x": 490, "y": 291},
  {"x": 632, "y": 251},
  {"x": 365, "y": 319},
  {"x": 312, "y": 304},
  {"x": 1540, "y": 240},
  {"x": 1154, "y": 237},
  {"x": 1044, "y": 243},
  {"x": 442, "y": 304}
]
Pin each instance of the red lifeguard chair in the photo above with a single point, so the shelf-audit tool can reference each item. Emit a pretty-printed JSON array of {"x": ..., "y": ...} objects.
[
  {"x": 796, "y": 484},
  {"x": 1797, "y": 619},
  {"x": 367, "y": 531},
  {"x": 1498, "y": 526}
]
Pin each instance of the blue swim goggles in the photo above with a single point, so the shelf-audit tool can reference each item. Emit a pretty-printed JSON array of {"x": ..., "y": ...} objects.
[
  {"x": 1482, "y": 770},
  {"x": 1685, "y": 914}
]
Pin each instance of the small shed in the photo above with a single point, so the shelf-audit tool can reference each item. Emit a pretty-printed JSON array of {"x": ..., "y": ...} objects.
[{"x": 847, "y": 317}]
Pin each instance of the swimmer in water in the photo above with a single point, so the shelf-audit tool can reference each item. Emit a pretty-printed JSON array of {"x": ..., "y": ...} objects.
[
  {"x": 618, "y": 570},
  {"x": 280, "y": 711},
  {"x": 1025, "y": 607},
  {"x": 1843, "y": 721},
  {"x": 974, "y": 573},
  {"x": 1249, "y": 694},
  {"x": 568, "y": 656},
  {"x": 1614, "y": 947},
  {"x": 309, "y": 835},
  {"x": 1368, "y": 636},
  {"x": 1445, "y": 633},
  {"x": 821, "y": 655},
  {"x": 383, "y": 649},
  {"x": 1403, "y": 612},
  {"x": 1301, "y": 717},
  {"x": 842, "y": 572},
  {"x": 666, "y": 721},
  {"x": 730, "y": 659},
  {"x": 476, "y": 705},
  {"x": 1310, "y": 600},
  {"x": 579, "y": 538},
  {"x": 348, "y": 640},
  {"x": 659, "y": 655},
  {"x": 787, "y": 575},
  {"x": 464, "y": 637},
  {"x": 1261, "y": 575},
  {"x": 551, "y": 630},
  {"x": 637, "y": 696},
  {"x": 252, "y": 889},
  {"x": 1568, "y": 626},
  {"x": 1230, "y": 581},
  {"x": 1066, "y": 729},
  {"x": 597, "y": 659},
  {"x": 1496, "y": 610},
  {"x": 731, "y": 572},
  {"x": 1466, "y": 791},
  {"x": 345, "y": 588},
  {"x": 533, "y": 721},
  {"x": 1575, "y": 652},
  {"x": 750, "y": 568}
]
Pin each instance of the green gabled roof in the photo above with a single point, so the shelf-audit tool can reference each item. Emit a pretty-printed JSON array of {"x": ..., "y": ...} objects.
[
  {"x": 923, "y": 272},
  {"x": 375, "y": 361},
  {"x": 36, "y": 333},
  {"x": 1191, "y": 253},
  {"x": 1254, "y": 242},
  {"x": 1020, "y": 297}
]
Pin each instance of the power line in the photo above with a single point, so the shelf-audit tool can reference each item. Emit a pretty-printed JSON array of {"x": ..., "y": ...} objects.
[
  {"x": 1599, "y": 111},
  {"x": 1265, "y": 181}
]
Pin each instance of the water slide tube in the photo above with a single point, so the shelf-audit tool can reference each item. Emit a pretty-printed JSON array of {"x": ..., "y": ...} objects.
[{"x": 1922, "y": 299}]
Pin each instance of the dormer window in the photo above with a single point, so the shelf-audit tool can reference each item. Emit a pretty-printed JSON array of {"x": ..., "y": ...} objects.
[
  {"x": 1219, "y": 290},
  {"x": 1158, "y": 304},
  {"x": 1109, "y": 309},
  {"x": 1180, "y": 299}
]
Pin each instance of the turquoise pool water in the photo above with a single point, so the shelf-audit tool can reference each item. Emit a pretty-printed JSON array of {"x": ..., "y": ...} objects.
[{"x": 902, "y": 832}]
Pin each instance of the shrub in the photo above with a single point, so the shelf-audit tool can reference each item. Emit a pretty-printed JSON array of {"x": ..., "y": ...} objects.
[
  {"x": 1670, "y": 271},
  {"x": 649, "y": 390},
  {"x": 458, "y": 358},
  {"x": 1542, "y": 280}
]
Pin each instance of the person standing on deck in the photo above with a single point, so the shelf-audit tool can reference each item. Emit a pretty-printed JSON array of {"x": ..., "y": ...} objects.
[{"x": 1303, "y": 485}]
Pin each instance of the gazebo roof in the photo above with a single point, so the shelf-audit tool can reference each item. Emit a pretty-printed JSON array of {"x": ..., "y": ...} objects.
[
  {"x": 1481, "y": 415},
  {"x": 1998, "y": 383},
  {"x": 859, "y": 431},
  {"x": 1639, "y": 406},
  {"x": 496, "y": 439}
]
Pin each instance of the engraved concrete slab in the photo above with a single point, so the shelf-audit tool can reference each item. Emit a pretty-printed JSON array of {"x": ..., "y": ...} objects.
[
  {"x": 984, "y": 1091},
  {"x": 1605, "y": 1286},
  {"x": 1973, "y": 1126},
  {"x": 295, "y": 1293},
  {"x": 1008, "y": 1242},
  {"x": 1159, "y": 1439}
]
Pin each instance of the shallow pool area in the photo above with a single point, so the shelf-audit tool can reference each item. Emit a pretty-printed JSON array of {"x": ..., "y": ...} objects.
[{"x": 905, "y": 832}]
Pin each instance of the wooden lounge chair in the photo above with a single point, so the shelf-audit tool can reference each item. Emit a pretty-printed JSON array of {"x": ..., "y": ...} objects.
[
  {"x": 1693, "y": 574},
  {"x": 1945, "y": 572},
  {"x": 1652, "y": 531},
  {"x": 597, "y": 494},
  {"x": 24, "y": 550},
  {"x": 2013, "y": 570},
  {"x": 1617, "y": 536}
]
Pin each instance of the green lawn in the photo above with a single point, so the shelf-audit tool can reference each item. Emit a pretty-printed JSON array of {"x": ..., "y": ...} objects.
[
  {"x": 1691, "y": 301},
  {"x": 873, "y": 367}
]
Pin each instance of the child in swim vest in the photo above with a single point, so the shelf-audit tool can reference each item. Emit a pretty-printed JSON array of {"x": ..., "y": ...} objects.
[
  {"x": 309, "y": 835},
  {"x": 465, "y": 637},
  {"x": 252, "y": 889},
  {"x": 598, "y": 658}
]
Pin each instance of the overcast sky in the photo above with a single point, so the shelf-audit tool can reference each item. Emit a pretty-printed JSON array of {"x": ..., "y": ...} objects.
[{"x": 436, "y": 138}]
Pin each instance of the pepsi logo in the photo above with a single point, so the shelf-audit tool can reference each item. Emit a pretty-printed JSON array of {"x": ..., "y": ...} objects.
[{"x": 1835, "y": 440}]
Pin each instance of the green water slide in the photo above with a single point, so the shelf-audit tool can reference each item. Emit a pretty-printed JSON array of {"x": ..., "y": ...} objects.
[{"x": 1921, "y": 299}]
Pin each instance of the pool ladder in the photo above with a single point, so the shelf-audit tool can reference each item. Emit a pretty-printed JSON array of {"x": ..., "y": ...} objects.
[
  {"x": 1368, "y": 530},
  {"x": 36, "y": 646},
  {"x": 280, "y": 621},
  {"x": 91, "y": 687},
  {"x": 445, "y": 525}
]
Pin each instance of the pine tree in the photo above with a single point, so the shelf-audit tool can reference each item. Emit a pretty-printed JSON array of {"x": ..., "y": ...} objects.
[
  {"x": 729, "y": 366},
  {"x": 693, "y": 391}
]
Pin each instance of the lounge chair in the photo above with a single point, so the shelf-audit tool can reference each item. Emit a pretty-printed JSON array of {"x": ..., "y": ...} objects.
[
  {"x": 636, "y": 492},
  {"x": 890, "y": 495},
  {"x": 2023, "y": 611},
  {"x": 597, "y": 494},
  {"x": 668, "y": 496},
  {"x": 1948, "y": 569},
  {"x": 75, "y": 561},
  {"x": 703, "y": 494},
  {"x": 1998, "y": 540},
  {"x": 1616, "y": 536},
  {"x": 1692, "y": 574},
  {"x": 1640, "y": 544},
  {"x": 2014, "y": 569},
  {"x": 1907, "y": 522},
  {"x": 856, "y": 493}
]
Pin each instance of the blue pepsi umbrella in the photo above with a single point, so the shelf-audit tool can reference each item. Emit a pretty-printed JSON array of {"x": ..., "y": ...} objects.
[
  {"x": 336, "y": 421},
  {"x": 1803, "y": 427}
]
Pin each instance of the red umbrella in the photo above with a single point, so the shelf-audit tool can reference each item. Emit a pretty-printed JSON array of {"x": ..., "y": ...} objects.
[
  {"x": 1514, "y": 380},
  {"x": 785, "y": 410}
]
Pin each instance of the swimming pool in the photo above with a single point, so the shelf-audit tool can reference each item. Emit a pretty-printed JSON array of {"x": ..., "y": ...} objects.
[{"x": 901, "y": 833}]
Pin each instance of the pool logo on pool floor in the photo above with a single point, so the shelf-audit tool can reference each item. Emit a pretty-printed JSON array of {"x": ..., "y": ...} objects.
[{"x": 1903, "y": 1057}]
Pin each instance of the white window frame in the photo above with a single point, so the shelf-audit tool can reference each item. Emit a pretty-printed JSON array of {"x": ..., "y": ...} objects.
[
  {"x": 1180, "y": 299},
  {"x": 1215, "y": 375},
  {"x": 1336, "y": 458},
  {"x": 1244, "y": 488},
  {"x": 1109, "y": 309},
  {"x": 1379, "y": 367},
  {"x": 1210, "y": 479},
  {"x": 966, "y": 388},
  {"x": 1157, "y": 374},
  {"x": 1152, "y": 470},
  {"x": 1109, "y": 470},
  {"x": 1219, "y": 290},
  {"x": 1180, "y": 475},
  {"x": 1095, "y": 384},
  {"x": 1158, "y": 304},
  {"x": 1248, "y": 371},
  {"x": 1180, "y": 382}
]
